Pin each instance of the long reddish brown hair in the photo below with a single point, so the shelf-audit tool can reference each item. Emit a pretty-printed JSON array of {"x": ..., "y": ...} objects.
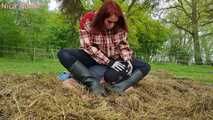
[{"x": 109, "y": 8}]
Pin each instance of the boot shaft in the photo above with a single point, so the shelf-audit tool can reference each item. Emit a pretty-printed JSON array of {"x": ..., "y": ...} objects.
[
  {"x": 82, "y": 75},
  {"x": 80, "y": 72},
  {"x": 132, "y": 80}
]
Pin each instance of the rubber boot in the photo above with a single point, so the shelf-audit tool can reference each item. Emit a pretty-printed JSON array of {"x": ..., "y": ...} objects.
[
  {"x": 82, "y": 74},
  {"x": 122, "y": 86}
]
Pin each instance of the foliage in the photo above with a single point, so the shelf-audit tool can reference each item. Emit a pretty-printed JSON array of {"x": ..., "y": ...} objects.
[
  {"x": 36, "y": 28},
  {"x": 10, "y": 33},
  {"x": 147, "y": 35}
]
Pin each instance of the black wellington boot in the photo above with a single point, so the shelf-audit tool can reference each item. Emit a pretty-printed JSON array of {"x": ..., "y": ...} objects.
[
  {"x": 82, "y": 74},
  {"x": 122, "y": 86}
]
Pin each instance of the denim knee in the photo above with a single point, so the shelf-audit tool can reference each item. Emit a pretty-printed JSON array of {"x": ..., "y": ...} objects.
[
  {"x": 66, "y": 58},
  {"x": 145, "y": 68},
  {"x": 60, "y": 53}
]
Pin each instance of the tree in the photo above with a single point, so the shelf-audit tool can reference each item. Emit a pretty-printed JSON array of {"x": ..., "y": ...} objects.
[
  {"x": 146, "y": 35},
  {"x": 72, "y": 8},
  {"x": 190, "y": 16},
  {"x": 178, "y": 47},
  {"x": 207, "y": 43}
]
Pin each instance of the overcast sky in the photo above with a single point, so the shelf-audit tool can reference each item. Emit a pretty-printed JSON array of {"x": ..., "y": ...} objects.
[{"x": 53, "y": 5}]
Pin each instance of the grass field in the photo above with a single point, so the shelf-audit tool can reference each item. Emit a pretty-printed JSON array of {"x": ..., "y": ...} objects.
[
  {"x": 21, "y": 66},
  {"x": 201, "y": 73}
]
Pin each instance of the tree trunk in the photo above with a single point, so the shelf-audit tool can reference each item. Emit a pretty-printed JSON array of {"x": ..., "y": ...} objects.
[{"x": 197, "y": 51}]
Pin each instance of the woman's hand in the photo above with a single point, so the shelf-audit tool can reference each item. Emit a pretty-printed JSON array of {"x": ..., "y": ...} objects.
[
  {"x": 130, "y": 68},
  {"x": 117, "y": 65}
]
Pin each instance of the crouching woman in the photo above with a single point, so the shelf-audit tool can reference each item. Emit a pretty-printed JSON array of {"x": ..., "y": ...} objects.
[{"x": 103, "y": 38}]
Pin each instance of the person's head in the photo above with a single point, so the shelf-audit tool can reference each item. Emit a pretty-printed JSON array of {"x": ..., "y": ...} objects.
[{"x": 109, "y": 17}]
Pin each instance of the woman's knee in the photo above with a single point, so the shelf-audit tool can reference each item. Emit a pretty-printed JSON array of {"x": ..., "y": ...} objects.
[
  {"x": 60, "y": 53},
  {"x": 65, "y": 55},
  {"x": 145, "y": 68},
  {"x": 148, "y": 68}
]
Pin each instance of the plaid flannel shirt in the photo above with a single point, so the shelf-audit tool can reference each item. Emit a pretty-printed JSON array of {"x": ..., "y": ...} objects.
[{"x": 103, "y": 47}]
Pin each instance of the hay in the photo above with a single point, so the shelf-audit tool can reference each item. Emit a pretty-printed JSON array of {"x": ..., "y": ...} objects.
[{"x": 158, "y": 97}]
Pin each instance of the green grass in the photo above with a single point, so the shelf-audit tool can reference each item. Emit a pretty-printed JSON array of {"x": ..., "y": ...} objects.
[
  {"x": 202, "y": 73},
  {"x": 20, "y": 66}
]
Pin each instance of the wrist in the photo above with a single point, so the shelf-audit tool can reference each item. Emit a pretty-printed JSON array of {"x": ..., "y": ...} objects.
[{"x": 110, "y": 63}]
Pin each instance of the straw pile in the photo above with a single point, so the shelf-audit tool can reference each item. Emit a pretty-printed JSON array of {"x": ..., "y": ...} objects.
[{"x": 159, "y": 97}]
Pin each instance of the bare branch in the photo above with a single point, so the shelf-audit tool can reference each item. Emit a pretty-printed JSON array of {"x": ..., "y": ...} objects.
[
  {"x": 188, "y": 3},
  {"x": 168, "y": 8},
  {"x": 206, "y": 23},
  {"x": 207, "y": 34},
  {"x": 184, "y": 10},
  {"x": 178, "y": 26},
  {"x": 209, "y": 12}
]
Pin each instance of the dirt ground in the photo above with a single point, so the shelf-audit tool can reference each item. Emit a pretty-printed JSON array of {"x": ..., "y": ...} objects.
[{"x": 160, "y": 96}]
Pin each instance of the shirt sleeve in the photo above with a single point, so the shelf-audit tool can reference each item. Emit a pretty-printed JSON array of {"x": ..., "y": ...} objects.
[
  {"x": 94, "y": 52},
  {"x": 126, "y": 51}
]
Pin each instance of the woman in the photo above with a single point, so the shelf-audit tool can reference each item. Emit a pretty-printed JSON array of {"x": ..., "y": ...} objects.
[{"x": 103, "y": 38}]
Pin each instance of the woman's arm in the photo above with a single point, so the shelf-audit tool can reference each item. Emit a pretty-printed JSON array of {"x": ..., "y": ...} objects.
[
  {"x": 126, "y": 51},
  {"x": 94, "y": 52}
]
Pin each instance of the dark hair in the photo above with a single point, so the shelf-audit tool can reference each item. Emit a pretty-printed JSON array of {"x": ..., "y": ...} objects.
[{"x": 109, "y": 8}]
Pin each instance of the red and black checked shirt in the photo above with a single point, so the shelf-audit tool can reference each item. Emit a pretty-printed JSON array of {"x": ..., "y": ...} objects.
[{"x": 103, "y": 47}]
